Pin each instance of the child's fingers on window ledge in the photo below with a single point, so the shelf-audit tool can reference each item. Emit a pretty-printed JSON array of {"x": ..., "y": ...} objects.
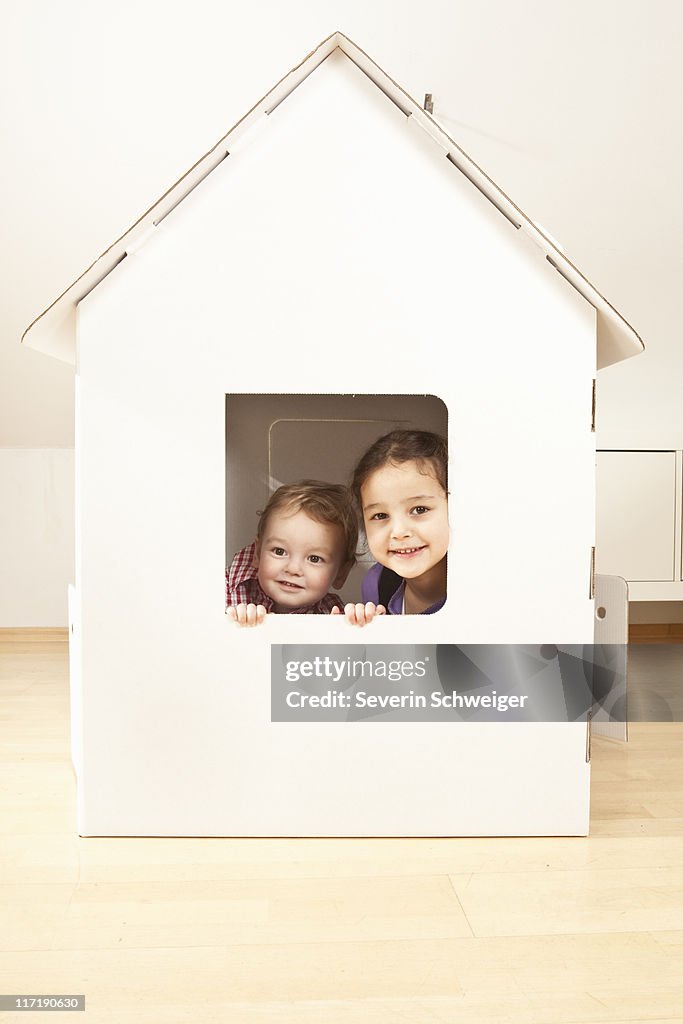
[
  {"x": 361, "y": 614},
  {"x": 247, "y": 614}
]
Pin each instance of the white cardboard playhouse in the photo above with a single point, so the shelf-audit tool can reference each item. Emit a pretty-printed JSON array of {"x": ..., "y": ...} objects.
[{"x": 335, "y": 243}]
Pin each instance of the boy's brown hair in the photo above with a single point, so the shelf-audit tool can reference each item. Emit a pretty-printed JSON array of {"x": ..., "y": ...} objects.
[
  {"x": 421, "y": 446},
  {"x": 323, "y": 502}
]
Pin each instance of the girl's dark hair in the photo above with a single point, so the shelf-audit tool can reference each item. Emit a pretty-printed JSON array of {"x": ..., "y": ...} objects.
[{"x": 421, "y": 446}]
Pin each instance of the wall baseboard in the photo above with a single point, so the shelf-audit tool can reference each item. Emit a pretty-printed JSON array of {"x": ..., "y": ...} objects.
[
  {"x": 655, "y": 633},
  {"x": 34, "y": 635},
  {"x": 638, "y": 633}
]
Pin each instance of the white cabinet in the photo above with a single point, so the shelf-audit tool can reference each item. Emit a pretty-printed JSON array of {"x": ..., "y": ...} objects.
[{"x": 638, "y": 521}]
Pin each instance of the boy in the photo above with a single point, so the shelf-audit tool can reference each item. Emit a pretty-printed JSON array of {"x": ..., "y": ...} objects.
[{"x": 305, "y": 542}]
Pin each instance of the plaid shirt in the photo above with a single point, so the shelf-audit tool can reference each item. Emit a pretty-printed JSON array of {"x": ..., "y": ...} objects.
[{"x": 242, "y": 587}]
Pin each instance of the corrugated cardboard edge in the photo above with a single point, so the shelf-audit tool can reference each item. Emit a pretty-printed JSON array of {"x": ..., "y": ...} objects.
[{"x": 53, "y": 331}]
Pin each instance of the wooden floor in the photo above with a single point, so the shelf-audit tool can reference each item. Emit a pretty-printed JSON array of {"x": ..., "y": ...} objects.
[{"x": 327, "y": 931}]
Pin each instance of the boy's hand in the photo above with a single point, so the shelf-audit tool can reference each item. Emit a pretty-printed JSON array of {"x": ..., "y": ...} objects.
[
  {"x": 361, "y": 614},
  {"x": 247, "y": 614}
]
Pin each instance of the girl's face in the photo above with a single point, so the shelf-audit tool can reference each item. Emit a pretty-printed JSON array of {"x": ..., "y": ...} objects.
[{"x": 405, "y": 511}]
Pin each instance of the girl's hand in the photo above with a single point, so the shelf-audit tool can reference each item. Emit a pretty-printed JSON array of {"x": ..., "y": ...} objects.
[
  {"x": 247, "y": 614},
  {"x": 361, "y": 614}
]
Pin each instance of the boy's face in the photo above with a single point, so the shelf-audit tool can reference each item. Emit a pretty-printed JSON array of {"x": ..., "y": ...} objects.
[
  {"x": 300, "y": 559},
  {"x": 405, "y": 511}
]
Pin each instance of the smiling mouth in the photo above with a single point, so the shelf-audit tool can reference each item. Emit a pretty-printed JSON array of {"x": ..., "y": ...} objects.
[
  {"x": 406, "y": 552},
  {"x": 290, "y": 586}
]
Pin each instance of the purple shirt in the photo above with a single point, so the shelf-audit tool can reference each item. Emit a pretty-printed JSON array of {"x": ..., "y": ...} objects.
[{"x": 369, "y": 590}]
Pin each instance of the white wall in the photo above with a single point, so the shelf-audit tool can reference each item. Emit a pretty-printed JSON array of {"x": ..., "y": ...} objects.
[
  {"x": 36, "y": 535},
  {"x": 597, "y": 157}
]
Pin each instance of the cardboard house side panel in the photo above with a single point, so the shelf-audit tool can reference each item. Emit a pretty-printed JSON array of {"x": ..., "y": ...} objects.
[{"x": 338, "y": 253}]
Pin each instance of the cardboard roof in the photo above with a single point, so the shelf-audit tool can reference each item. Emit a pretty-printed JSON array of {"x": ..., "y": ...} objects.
[{"x": 54, "y": 331}]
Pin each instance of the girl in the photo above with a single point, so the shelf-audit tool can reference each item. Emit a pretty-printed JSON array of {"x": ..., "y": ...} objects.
[{"x": 400, "y": 487}]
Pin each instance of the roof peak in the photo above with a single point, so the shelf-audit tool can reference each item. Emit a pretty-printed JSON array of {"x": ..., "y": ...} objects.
[{"x": 53, "y": 331}]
